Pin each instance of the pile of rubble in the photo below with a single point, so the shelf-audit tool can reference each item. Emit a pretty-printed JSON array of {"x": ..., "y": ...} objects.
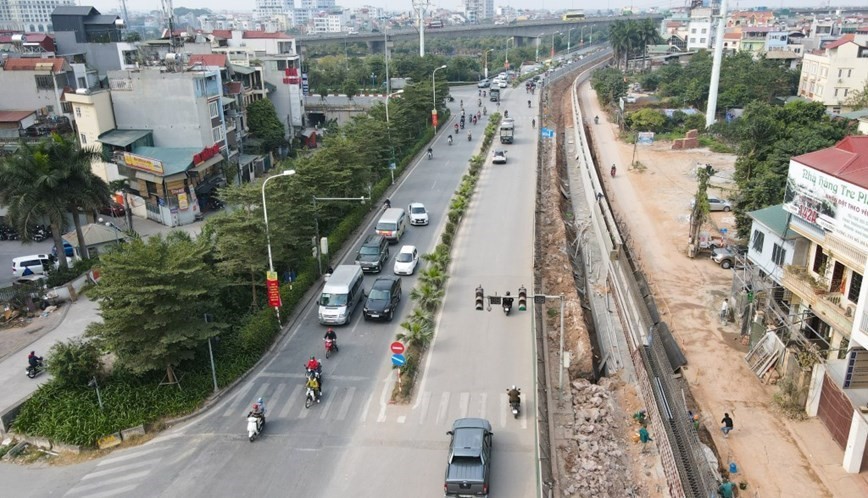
[{"x": 593, "y": 447}]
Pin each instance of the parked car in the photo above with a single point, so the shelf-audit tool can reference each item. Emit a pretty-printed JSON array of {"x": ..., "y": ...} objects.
[
  {"x": 418, "y": 214},
  {"x": 726, "y": 256},
  {"x": 499, "y": 157},
  {"x": 716, "y": 204},
  {"x": 484, "y": 83},
  {"x": 67, "y": 248},
  {"x": 468, "y": 469},
  {"x": 113, "y": 209},
  {"x": 503, "y": 84},
  {"x": 383, "y": 298},
  {"x": 406, "y": 261}
]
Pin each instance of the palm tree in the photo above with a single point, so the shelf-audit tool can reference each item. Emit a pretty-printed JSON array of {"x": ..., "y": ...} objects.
[
  {"x": 434, "y": 276},
  {"x": 49, "y": 179},
  {"x": 427, "y": 296},
  {"x": 618, "y": 39},
  {"x": 439, "y": 258},
  {"x": 416, "y": 334},
  {"x": 649, "y": 36}
]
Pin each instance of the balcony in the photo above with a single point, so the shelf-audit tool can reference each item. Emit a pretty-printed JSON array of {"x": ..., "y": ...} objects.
[{"x": 815, "y": 293}]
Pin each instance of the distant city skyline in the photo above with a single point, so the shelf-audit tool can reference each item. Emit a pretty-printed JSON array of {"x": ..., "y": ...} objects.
[{"x": 248, "y": 5}]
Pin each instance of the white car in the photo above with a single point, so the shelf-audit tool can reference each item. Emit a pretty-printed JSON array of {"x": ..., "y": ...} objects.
[
  {"x": 499, "y": 157},
  {"x": 406, "y": 261},
  {"x": 503, "y": 84},
  {"x": 418, "y": 214}
]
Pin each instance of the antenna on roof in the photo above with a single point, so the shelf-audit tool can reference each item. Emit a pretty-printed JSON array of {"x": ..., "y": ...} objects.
[
  {"x": 169, "y": 17},
  {"x": 124, "y": 10}
]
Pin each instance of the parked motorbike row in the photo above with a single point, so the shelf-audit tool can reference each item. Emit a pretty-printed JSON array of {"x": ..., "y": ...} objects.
[{"x": 37, "y": 233}]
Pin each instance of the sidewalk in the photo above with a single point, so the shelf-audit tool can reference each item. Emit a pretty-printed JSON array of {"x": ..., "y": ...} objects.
[{"x": 67, "y": 322}]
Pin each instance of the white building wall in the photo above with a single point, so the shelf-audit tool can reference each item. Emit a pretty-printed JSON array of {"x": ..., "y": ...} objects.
[{"x": 700, "y": 34}]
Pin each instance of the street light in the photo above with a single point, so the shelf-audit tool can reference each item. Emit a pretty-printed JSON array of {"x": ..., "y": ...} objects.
[
  {"x": 399, "y": 92},
  {"x": 506, "y": 57},
  {"x": 434, "y": 92},
  {"x": 553, "y": 44},
  {"x": 537, "y": 45},
  {"x": 287, "y": 172},
  {"x": 485, "y": 57},
  {"x": 569, "y": 38},
  {"x": 111, "y": 225}
]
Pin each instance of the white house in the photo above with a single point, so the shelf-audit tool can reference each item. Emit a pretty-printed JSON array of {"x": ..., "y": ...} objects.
[{"x": 772, "y": 244}]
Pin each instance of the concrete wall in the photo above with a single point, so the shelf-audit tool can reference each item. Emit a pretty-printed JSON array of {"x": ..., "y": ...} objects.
[
  {"x": 93, "y": 115},
  {"x": 20, "y": 92}
]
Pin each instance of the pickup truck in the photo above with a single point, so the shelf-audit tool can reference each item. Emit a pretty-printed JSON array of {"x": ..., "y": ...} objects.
[{"x": 468, "y": 470}]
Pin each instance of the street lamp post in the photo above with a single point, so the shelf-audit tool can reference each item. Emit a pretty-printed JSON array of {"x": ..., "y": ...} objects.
[
  {"x": 113, "y": 227},
  {"x": 317, "y": 244},
  {"x": 286, "y": 172},
  {"x": 553, "y": 44},
  {"x": 485, "y": 57},
  {"x": 434, "y": 93},
  {"x": 570, "y": 39},
  {"x": 506, "y": 56}
]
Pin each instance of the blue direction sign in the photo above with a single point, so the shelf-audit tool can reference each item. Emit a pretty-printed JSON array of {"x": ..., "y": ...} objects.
[
  {"x": 398, "y": 360},
  {"x": 547, "y": 133}
]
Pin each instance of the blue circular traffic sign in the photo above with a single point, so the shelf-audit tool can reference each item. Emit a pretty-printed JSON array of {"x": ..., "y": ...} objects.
[{"x": 398, "y": 360}]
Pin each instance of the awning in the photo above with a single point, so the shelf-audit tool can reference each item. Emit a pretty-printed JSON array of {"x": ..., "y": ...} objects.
[
  {"x": 242, "y": 69},
  {"x": 207, "y": 164}
]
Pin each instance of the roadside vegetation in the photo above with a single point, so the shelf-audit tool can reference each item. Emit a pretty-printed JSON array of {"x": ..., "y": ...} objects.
[
  {"x": 419, "y": 328},
  {"x": 151, "y": 348}
]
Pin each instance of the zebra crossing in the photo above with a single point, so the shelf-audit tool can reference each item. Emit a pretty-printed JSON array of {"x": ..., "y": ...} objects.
[
  {"x": 119, "y": 475},
  {"x": 285, "y": 401}
]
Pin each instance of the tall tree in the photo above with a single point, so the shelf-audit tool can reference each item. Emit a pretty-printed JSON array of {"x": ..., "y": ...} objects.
[
  {"x": 152, "y": 297},
  {"x": 265, "y": 124}
]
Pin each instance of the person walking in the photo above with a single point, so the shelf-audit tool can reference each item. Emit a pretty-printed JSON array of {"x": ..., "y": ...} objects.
[
  {"x": 727, "y": 425},
  {"x": 726, "y": 488}
]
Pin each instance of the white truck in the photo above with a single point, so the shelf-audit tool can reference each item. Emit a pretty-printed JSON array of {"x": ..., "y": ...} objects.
[{"x": 507, "y": 131}]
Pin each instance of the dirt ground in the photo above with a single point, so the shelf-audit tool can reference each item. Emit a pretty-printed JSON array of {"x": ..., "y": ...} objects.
[{"x": 775, "y": 456}]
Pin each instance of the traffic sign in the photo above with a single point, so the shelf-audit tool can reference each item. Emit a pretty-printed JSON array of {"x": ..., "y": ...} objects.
[
  {"x": 539, "y": 299},
  {"x": 547, "y": 133},
  {"x": 398, "y": 360},
  {"x": 397, "y": 347}
]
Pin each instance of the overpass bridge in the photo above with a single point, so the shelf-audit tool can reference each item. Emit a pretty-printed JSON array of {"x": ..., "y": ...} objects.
[{"x": 521, "y": 31}]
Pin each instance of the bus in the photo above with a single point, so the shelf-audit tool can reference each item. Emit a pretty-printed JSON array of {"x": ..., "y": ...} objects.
[{"x": 573, "y": 15}]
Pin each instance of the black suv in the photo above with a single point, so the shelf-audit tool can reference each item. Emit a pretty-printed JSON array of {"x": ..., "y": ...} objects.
[
  {"x": 468, "y": 470},
  {"x": 383, "y": 298},
  {"x": 373, "y": 254}
]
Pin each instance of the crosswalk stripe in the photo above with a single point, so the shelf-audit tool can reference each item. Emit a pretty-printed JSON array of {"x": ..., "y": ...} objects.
[
  {"x": 443, "y": 408},
  {"x": 121, "y": 468},
  {"x": 345, "y": 405},
  {"x": 234, "y": 405},
  {"x": 293, "y": 398},
  {"x": 114, "y": 492},
  {"x": 426, "y": 400},
  {"x": 129, "y": 456},
  {"x": 107, "y": 482},
  {"x": 273, "y": 400},
  {"x": 367, "y": 407},
  {"x": 464, "y": 404},
  {"x": 483, "y": 398},
  {"x": 504, "y": 401},
  {"x": 327, "y": 403}
]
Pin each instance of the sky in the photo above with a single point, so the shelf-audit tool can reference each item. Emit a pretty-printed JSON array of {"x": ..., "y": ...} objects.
[{"x": 248, "y": 5}]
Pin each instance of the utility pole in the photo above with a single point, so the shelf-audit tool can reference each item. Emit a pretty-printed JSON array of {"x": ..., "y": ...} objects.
[
  {"x": 715, "y": 68},
  {"x": 421, "y": 6}
]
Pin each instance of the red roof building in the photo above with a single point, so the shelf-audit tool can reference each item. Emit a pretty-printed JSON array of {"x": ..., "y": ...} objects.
[
  {"x": 209, "y": 60},
  {"x": 847, "y": 160},
  {"x": 53, "y": 64}
]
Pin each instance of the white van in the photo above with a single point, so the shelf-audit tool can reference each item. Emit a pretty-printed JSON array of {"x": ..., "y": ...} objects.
[
  {"x": 392, "y": 224},
  {"x": 35, "y": 264},
  {"x": 340, "y": 295}
]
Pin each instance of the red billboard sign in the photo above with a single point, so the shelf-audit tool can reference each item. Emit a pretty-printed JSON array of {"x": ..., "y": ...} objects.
[{"x": 272, "y": 289}]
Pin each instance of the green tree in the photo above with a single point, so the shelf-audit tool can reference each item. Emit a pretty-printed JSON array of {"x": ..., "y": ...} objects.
[
  {"x": 73, "y": 363},
  {"x": 427, "y": 295},
  {"x": 647, "y": 120},
  {"x": 609, "y": 84},
  {"x": 152, "y": 298},
  {"x": 417, "y": 334},
  {"x": 350, "y": 88},
  {"x": 265, "y": 124},
  {"x": 49, "y": 179}
]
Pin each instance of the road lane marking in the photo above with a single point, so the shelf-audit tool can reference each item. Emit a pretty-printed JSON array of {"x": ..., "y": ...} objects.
[
  {"x": 464, "y": 404},
  {"x": 284, "y": 412},
  {"x": 345, "y": 406},
  {"x": 504, "y": 403},
  {"x": 329, "y": 401},
  {"x": 401, "y": 419},
  {"x": 272, "y": 400},
  {"x": 114, "y": 492},
  {"x": 128, "y": 456},
  {"x": 107, "y": 482},
  {"x": 426, "y": 401},
  {"x": 239, "y": 398},
  {"x": 384, "y": 395},
  {"x": 367, "y": 407},
  {"x": 483, "y": 399},
  {"x": 443, "y": 408},
  {"x": 121, "y": 468}
]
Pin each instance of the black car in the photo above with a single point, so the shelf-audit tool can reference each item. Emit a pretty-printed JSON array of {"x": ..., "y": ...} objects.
[
  {"x": 373, "y": 254},
  {"x": 383, "y": 298},
  {"x": 468, "y": 469}
]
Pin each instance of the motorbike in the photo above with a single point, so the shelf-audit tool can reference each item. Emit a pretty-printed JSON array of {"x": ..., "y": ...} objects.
[
  {"x": 485, "y": 111},
  {"x": 613, "y": 170},
  {"x": 505, "y": 113},
  {"x": 330, "y": 346},
  {"x": 528, "y": 104},
  {"x": 450, "y": 139},
  {"x": 469, "y": 136},
  {"x": 310, "y": 397},
  {"x": 33, "y": 372},
  {"x": 507, "y": 306},
  {"x": 515, "y": 406},
  {"x": 254, "y": 427},
  {"x": 596, "y": 119},
  {"x": 214, "y": 203},
  {"x": 430, "y": 154}
]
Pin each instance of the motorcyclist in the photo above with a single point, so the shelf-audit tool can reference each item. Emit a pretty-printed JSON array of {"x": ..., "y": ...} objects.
[
  {"x": 456, "y": 128},
  {"x": 528, "y": 103},
  {"x": 533, "y": 123},
  {"x": 430, "y": 152},
  {"x": 34, "y": 361},
  {"x": 596, "y": 119},
  {"x": 257, "y": 411},
  {"x": 314, "y": 365},
  {"x": 505, "y": 113},
  {"x": 450, "y": 139},
  {"x": 469, "y": 136},
  {"x": 387, "y": 203},
  {"x": 485, "y": 111},
  {"x": 514, "y": 394},
  {"x": 614, "y": 169},
  {"x": 330, "y": 335},
  {"x": 313, "y": 383}
]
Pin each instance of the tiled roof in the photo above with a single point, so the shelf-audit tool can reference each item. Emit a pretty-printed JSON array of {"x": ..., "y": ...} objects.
[
  {"x": 218, "y": 60},
  {"x": 222, "y": 33},
  {"x": 733, "y": 35},
  {"x": 847, "y": 160},
  {"x": 34, "y": 64},
  {"x": 775, "y": 219},
  {"x": 14, "y": 116},
  {"x": 250, "y": 35},
  {"x": 840, "y": 41}
]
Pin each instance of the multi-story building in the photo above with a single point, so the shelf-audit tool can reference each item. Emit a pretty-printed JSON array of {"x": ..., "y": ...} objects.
[
  {"x": 326, "y": 23},
  {"x": 34, "y": 84},
  {"x": 700, "y": 30},
  {"x": 29, "y": 15},
  {"x": 801, "y": 298},
  {"x": 830, "y": 75},
  {"x": 268, "y": 8}
]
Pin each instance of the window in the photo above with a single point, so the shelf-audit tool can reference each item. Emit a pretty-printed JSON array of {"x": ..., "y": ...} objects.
[
  {"x": 757, "y": 240},
  {"x": 217, "y": 134},
  {"x": 44, "y": 82},
  {"x": 855, "y": 287},
  {"x": 779, "y": 254},
  {"x": 702, "y": 40},
  {"x": 819, "y": 261},
  {"x": 704, "y": 30},
  {"x": 77, "y": 111},
  {"x": 83, "y": 139},
  {"x": 214, "y": 109}
]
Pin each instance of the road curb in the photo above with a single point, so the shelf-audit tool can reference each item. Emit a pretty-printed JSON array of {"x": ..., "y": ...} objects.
[{"x": 39, "y": 334}]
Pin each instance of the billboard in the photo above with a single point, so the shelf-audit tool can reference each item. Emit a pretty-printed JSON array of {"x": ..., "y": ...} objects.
[
  {"x": 142, "y": 163},
  {"x": 829, "y": 203}
]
